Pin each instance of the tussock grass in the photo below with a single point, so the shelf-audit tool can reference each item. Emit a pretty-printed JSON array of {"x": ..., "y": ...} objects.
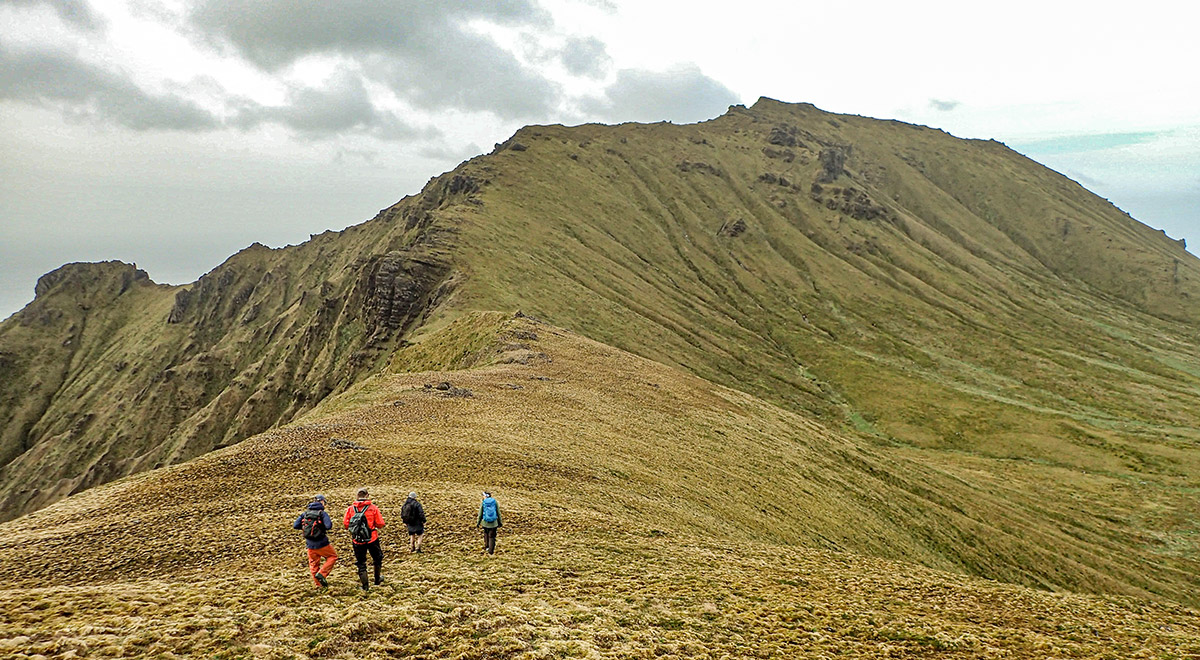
[
  {"x": 597, "y": 593},
  {"x": 647, "y": 514}
]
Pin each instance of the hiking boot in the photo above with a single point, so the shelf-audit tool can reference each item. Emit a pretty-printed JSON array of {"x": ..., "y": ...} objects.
[
  {"x": 378, "y": 581},
  {"x": 362, "y": 577},
  {"x": 322, "y": 580}
]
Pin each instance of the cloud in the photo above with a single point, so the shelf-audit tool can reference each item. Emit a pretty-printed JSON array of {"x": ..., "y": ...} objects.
[
  {"x": 425, "y": 51},
  {"x": 341, "y": 106},
  {"x": 85, "y": 90},
  {"x": 470, "y": 150},
  {"x": 76, "y": 12},
  {"x": 465, "y": 72},
  {"x": 682, "y": 94},
  {"x": 585, "y": 57},
  {"x": 943, "y": 106}
]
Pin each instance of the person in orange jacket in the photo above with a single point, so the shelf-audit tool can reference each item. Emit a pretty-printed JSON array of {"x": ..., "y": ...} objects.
[{"x": 364, "y": 521}]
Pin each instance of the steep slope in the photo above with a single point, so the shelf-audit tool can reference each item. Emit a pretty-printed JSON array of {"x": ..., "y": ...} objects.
[
  {"x": 106, "y": 374},
  {"x": 965, "y": 310},
  {"x": 646, "y": 512}
]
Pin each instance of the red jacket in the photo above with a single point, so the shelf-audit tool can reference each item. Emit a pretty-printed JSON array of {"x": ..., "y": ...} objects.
[{"x": 374, "y": 518}]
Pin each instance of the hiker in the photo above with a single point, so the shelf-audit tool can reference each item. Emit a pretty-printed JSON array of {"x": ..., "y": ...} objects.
[
  {"x": 489, "y": 520},
  {"x": 364, "y": 521},
  {"x": 315, "y": 523},
  {"x": 413, "y": 515}
]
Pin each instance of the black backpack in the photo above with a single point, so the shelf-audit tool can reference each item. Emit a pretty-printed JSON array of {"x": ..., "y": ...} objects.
[
  {"x": 360, "y": 527},
  {"x": 312, "y": 525},
  {"x": 409, "y": 513}
]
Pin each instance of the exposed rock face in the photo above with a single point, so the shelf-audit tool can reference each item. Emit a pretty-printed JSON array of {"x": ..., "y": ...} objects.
[
  {"x": 851, "y": 201},
  {"x": 182, "y": 298},
  {"x": 786, "y": 155},
  {"x": 258, "y": 340},
  {"x": 777, "y": 179},
  {"x": 697, "y": 166},
  {"x": 785, "y": 135},
  {"x": 833, "y": 163},
  {"x": 104, "y": 280},
  {"x": 396, "y": 288},
  {"x": 732, "y": 229}
]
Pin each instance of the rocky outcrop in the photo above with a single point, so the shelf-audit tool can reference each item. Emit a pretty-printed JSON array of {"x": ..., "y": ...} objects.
[
  {"x": 732, "y": 228},
  {"x": 93, "y": 391},
  {"x": 851, "y": 201},
  {"x": 698, "y": 166},
  {"x": 397, "y": 288},
  {"x": 785, "y": 135},
  {"x": 100, "y": 281},
  {"x": 833, "y": 163}
]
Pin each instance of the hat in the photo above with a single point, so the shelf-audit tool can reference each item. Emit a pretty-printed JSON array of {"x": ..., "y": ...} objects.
[
  {"x": 319, "y": 498},
  {"x": 486, "y": 494},
  {"x": 413, "y": 495}
]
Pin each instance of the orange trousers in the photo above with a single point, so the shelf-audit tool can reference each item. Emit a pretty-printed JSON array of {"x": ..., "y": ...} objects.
[{"x": 315, "y": 564}]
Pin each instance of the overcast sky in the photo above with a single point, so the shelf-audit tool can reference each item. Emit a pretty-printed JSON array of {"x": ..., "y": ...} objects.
[{"x": 173, "y": 134}]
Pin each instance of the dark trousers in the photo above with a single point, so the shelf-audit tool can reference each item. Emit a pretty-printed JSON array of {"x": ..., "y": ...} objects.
[
  {"x": 360, "y": 556},
  {"x": 489, "y": 539}
]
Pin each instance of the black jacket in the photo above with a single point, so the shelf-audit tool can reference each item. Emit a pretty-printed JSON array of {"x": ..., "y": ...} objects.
[{"x": 413, "y": 514}]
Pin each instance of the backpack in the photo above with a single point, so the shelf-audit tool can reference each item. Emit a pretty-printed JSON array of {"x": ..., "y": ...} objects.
[
  {"x": 311, "y": 524},
  {"x": 408, "y": 513},
  {"x": 490, "y": 512},
  {"x": 360, "y": 527}
]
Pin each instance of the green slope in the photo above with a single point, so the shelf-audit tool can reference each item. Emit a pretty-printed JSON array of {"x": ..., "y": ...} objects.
[
  {"x": 953, "y": 304},
  {"x": 648, "y": 513}
]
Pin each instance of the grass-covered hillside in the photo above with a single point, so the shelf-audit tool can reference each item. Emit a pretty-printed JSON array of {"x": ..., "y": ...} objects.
[
  {"x": 917, "y": 348},
  {"x": 648, "y": 513}
]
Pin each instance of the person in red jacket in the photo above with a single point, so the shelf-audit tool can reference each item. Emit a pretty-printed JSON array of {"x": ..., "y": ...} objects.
[{"x": 364, "y": 521}]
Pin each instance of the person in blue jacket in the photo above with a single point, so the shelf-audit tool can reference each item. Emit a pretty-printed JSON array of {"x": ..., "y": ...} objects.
[{"x": 315, "y": 523}]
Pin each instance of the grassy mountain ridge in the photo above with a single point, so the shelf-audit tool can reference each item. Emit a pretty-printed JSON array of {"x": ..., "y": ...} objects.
[
  {"x": 1011, "y": 359},
  {"x": 647, "y": 512},
  {"x": 151, "y": 375}
]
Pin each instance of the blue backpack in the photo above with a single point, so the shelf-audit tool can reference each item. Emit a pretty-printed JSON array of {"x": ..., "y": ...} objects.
[{"x": 490, "y": 512}]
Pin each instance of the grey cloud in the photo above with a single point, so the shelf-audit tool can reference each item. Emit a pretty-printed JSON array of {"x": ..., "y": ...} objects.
[
  {"x": 367, "y": 156},
  {"x": 463, "y": 72},
  {"x": 75, "y": 12},
  {"x": 421, "y": 49},
  {"x": 341, "y": 106},
  {"x": 446, "y": 153},
  {"x": 87, "y": 91},
  {"x": 943, "y": 106},
  {"x": 585, "y": 57},
  {"x": 683, "y": 94}
]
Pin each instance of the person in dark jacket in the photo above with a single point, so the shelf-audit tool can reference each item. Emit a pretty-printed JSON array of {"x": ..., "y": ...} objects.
[
  {"x": 489, "y": 521},
  {"x": 315, "y": 522},
  {"x": 413, "y": 515},
  {"x": 375, "y": 523}
]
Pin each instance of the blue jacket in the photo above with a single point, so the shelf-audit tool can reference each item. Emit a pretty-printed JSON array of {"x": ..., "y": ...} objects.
[{"x": 322, "y": 540}]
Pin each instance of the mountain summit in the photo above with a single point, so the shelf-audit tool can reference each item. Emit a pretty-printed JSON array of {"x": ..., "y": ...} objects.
[{"x": 955, "y": 356}]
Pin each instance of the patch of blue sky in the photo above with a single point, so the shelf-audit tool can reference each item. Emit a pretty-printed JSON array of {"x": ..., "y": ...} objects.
[{"x": 1073, "y": 144}]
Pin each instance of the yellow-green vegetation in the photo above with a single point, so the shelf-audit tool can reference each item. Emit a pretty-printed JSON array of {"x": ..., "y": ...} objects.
[
  {"x": 850, "y": 335},
  {"x": 647, "y": 513}
]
